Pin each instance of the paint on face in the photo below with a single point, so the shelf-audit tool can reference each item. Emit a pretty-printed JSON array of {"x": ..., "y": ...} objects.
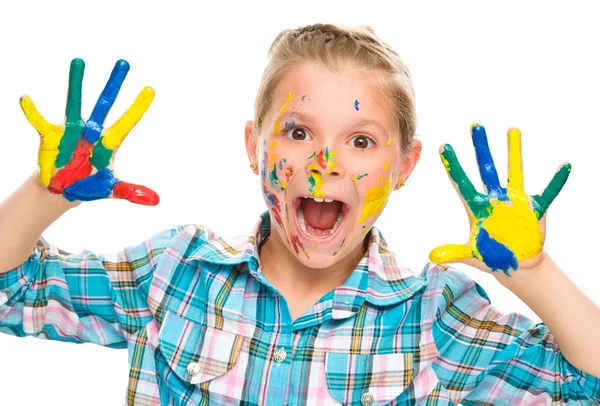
[
  {"x": 298, "y": 245},
  {"x": 357, "y": 178},
  {"x": 376, "y": 198},
  {"x": 290, "y": 123},
  {"x": 275, "y": 207},
  {"x": 386, "y": 165},
  {"x": 326, "y": 160},
  {"x": 313, "y": 155},
  {"x": 342, "y": 244},
  {"x": 389, "y": 140},
  {"x": 264, "y": 162},
  {"x": 276, "y": 127},
  {"x": 316, "y": 181},
  {"x": 356, "y": 104},
  {"x": 273, "y": 145}
]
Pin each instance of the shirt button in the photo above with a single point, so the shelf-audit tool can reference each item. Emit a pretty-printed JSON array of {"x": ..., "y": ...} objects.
[
  {"x": 280, "y": 355},
  {"x": 367, "y": 399},
  {"x": 193, "y": 368}
]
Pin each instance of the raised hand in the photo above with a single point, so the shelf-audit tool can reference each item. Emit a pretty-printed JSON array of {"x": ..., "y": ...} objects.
[
  {"x": 77, "y": 159},
  {"x": 507, "y": 225}
]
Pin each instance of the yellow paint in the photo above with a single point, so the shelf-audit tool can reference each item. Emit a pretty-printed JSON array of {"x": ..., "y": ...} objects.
[
  {"x": 272, "y": 160},
  {"x": 273, "y": 145},
  {"x": 283, "y": 183},
  {"x": 331, "y": 162},
  {"x": 445, "y": 162},
  {"x": 318, "y": 179},
  {"x": 354, "y": 178},
  {"x": 315, "y": 245},
  {"x": 450, "y": 253},
  {"x": 277, "y": 127},
  {"x": 50, "y": 134},
  {"x": 376, "y": 199},
  {"x": 389, "y": 140},
  {"x": 386, "y": 165},
  {"x": 116, "y": 133},
  {"x": 515, "y": 171}
]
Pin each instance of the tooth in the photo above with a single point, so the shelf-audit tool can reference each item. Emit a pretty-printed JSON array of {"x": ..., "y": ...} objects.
[
  {"x": 318, "y": 199},
  {"x": 328, "y": 200}
]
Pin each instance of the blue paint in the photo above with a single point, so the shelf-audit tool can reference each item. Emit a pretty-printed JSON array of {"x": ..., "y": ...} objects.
[
  {"x": 487, "y": 169},
  {"x": 272, "y": 200},
  {"x": 356, "y": 104},
  {"x": 281, "y": 163},
  {"x": 97, "y": 186},
  {"x": 304, "y": 97},
  {"x": 334, "y": 253},
  {"x": 106, "y": 100},
  {"x": 291, "y": 124},
  {"x": 343, "y": 241},
  {"x": 495, "y": 255}
]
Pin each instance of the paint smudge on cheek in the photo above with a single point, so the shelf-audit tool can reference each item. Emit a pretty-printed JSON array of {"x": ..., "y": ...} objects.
[
  {"x": 376, "y": 198},
  {"x": 386, "y": 165},
  {"x": 326, "y": 160},
  {"x": 298, "y": 245},
  {"x": 389, "y": 140},
  {"x": 273, "y": 145},
  {"x": 313, "y": 155},
  {"x": 264, "y": 162},
  {"x": 356, "y": 103}
]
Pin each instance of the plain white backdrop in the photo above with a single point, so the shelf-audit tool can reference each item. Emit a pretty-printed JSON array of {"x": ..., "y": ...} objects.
[{"x": 534, "y": 66}]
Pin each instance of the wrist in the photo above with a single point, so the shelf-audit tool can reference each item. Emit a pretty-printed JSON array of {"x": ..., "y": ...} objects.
[{"x": 48, "y": 199}]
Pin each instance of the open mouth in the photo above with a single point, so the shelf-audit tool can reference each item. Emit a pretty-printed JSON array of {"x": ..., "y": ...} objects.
[{"x": 320, "y": 219}]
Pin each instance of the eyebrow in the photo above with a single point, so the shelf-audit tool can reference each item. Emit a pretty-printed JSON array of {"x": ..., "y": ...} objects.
[{"x": 310, "y": 119}]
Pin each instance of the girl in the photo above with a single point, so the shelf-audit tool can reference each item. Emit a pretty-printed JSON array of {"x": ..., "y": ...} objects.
[{"x": 312, "y": 307}]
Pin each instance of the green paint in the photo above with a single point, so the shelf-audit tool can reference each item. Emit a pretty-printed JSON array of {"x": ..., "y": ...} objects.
[
  {"x": 313, "y": 155},
  {"x": 101, "y": 155},
  {"x": 477, "y": 202},
  {"x": 274, "y": 179},
  {"x": 327, "y": 154},
  {"x": 74, "y": 125},
  {"x": 311, "y": 180},
  {"x": 359, "y": 177},
  {"x": 543, "y": 201}
]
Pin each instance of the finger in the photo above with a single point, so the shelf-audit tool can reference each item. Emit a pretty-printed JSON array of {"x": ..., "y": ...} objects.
[
  {"x": 73, "y": 111},
  {"x": 450, "y": 253},
  {"x": 97, "y": 186},
  {"x": 136, "y": 193},
  {"x": 116, "y": 133},
  {"x": 74, "y": 125},
  {"x": 543, "y": 201},
  {"x": 487, "y": 169},
  {"x": 477, "y": 202},
  {"x": 515, "y": 160},
  {"x": 43, "y": 127},
  {"x": 106, "y": 100}
]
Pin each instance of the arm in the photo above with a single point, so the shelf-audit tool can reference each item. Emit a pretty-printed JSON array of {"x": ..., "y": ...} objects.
[
  {"x": 486, "y": 356},
  {"x": 573, "y": 318}
]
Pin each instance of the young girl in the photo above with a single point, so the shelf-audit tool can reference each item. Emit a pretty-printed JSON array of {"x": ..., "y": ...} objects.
[{"x": 312, "y": 307}]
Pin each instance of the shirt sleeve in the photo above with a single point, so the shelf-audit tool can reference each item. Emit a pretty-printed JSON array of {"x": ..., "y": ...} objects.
[
  {"x": 486, "y": 356},
  {"x": 84, "y": 297}
]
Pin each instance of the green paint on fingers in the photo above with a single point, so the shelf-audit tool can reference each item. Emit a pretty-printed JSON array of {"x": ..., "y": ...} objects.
[
  {"x": 101, "y": 155},
  {"x": 543, "y": 201}
]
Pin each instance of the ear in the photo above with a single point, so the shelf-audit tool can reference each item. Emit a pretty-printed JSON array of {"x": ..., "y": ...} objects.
[
  {"x": 251, "y": 145},
  {"x": 408, "y": 162}
]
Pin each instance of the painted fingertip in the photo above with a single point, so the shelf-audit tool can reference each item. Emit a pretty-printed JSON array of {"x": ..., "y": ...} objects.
[
  {"x": 148, "y": 91},
  {"x": 446, "y": 148},
  {"x": 567, "y": 166},
  {"x": 122, "y": 64},
  {"x": 77, "y": 63},
  {"x": 514, "y": 132},
  {"x": 475, "y": 125}
]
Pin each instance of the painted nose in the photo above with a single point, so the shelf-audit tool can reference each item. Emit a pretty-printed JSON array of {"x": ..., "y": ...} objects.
[{"x": 324, "y": 163}]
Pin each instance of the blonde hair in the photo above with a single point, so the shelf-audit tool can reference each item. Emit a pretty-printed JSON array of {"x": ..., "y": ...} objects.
[{"x": 333, "y": 45}]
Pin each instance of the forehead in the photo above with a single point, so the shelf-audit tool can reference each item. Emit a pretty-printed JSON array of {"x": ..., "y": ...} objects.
[{"x": 332, "y": 93}]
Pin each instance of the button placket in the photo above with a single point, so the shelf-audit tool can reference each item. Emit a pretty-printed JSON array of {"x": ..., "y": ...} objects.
[{"x": 280, "y": 355}]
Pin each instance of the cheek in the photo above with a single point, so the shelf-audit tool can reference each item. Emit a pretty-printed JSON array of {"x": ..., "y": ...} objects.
[{"x": 374, "y": 189}]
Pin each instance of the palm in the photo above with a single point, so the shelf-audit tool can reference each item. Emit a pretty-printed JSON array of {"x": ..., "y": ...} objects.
[
  {"x": 76, "y": 159},
  {"x": 507, "y": 225}
]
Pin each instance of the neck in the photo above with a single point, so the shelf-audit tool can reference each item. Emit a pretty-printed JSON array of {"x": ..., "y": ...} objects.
[{"x": 293, "y": 278}]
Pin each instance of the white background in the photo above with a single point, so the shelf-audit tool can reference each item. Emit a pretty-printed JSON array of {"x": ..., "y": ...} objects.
[{"x": 534, "y": 66}]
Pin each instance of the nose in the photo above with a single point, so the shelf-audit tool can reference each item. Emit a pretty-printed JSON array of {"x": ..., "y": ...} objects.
[{"x": 324, "y": 164}]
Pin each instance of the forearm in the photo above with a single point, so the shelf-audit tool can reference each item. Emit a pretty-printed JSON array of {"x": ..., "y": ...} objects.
[
  {"x": 24, "y": 216},
  {"x": 572, "y": 317}
]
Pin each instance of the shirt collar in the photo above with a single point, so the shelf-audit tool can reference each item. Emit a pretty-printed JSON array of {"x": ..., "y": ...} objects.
[{"x": 379, "y": 277}]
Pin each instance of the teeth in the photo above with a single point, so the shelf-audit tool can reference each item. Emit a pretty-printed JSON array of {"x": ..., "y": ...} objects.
[
  {"x": 328, "y": 200},
  {"x": 318, "y": 199}
]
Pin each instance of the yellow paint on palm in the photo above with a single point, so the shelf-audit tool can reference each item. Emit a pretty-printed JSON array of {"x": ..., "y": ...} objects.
[
  {"x": 116, "y": 133},
  {"x": 277, "y": 127},
  {"x": 50, "y": 134},
  {"x": 376, "y": 198}
]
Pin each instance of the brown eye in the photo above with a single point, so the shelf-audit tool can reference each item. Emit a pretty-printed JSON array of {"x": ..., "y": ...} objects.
[
  {"x": 297, "y": 134},
  {"x": 362, "y": 142}
]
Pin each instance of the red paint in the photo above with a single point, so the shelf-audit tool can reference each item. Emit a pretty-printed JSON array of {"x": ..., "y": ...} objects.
[
  {"x": 321, "y": 159},
  {"x": 289, "y": 172},
  {"x": 136, "y": 193},
  {"x": 296, "y": 242},
  {"x": 77, "y": 168}
]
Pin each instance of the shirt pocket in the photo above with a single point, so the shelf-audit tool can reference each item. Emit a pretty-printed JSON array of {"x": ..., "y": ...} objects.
[
  {"x": 368, "y": 379},
  {"x": 196, "y": 352}
]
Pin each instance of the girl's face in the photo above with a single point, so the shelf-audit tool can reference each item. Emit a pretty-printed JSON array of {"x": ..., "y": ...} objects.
[{"x": 328, "y": 158}]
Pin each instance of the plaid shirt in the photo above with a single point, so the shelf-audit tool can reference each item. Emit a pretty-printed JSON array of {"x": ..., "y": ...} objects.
[{"x": 203, "y": 326}]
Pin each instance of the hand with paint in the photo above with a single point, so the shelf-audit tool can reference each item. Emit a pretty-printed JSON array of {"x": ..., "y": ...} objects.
[
  {"x": 76, "y": 159},
  {"x": 508, "y": 227}
]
